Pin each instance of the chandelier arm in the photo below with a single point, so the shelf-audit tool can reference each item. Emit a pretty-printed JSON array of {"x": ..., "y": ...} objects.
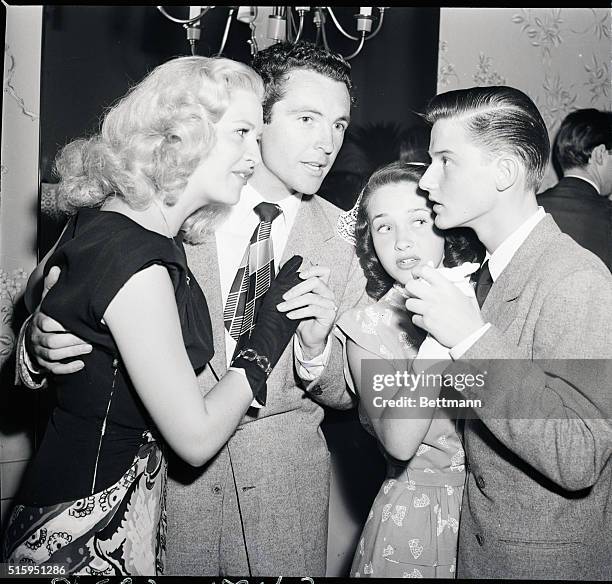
[
  {"x": 253, "y": 40},
  {"x": 301, "y": 28},
  {"x": 226, "y": 31},
  {"x": 182, "y": 20},
  {"x": 378, "y": 26},
  {"x": 291, "y": 28},
  {"x": 324, "y": 36},
  {"x": 361, "y": 43},
  {"x": 339, "y": 26}
]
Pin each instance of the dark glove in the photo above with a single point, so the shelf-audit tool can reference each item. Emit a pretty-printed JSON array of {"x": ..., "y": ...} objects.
[{"x": 259, "y": 353}]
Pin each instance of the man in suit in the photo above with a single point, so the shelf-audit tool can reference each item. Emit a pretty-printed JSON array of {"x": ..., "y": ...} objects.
[
  {"x": 579, "y": 202},
  {"x": 270, "y": 486},
  {"x": 538, "y": 497},
  {"x": 260, "y": 507}
]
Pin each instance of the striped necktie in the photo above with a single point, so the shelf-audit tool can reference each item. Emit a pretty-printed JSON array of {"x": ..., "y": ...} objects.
[{"x": 253, "y": 277}]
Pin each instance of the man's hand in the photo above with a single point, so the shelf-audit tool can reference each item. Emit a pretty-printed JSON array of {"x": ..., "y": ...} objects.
[
  {"x": 312, "y": 302},
  {"x": 48, "y": 342},
  {"x": 441, "y": 308}
]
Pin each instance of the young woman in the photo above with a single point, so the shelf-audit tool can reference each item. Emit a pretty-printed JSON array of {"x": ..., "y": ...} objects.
[
  {"x": 411, "y": 530},
  {"x": 171, "y": 156}
]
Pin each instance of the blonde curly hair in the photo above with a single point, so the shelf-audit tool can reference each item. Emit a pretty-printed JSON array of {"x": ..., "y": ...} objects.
[{"x": 153, "y": 139}]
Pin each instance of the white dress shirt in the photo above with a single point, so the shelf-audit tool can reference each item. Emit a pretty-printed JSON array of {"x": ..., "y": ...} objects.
[
  {"x": 233, "y": 236},
  {"x": 498, "y": 261}
]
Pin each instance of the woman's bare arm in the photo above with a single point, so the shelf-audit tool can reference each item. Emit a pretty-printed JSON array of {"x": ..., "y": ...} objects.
[
  {"x": 143, "y": 319},
  {"x": 400, "y": 430}
]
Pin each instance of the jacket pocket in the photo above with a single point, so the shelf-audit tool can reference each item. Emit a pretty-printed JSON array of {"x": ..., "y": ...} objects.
[{"x": 544, "y": 559}]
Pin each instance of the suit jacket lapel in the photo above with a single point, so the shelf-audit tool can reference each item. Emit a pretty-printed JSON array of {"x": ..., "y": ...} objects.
[
  {"x": 517, "y": 273},
  {"x": 204, "y": 264},
  {"x": 310, "y": 229}
]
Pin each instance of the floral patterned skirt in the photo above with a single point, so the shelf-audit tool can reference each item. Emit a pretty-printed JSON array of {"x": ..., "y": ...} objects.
[
  {"x": 412, "y": 528},
  {"x": 118, "y": 531}
]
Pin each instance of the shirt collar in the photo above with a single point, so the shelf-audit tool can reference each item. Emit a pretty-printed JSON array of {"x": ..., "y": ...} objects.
[
  {"x": 584, "y": 179},
  {"x": 242, "y": 212},
  {"x": 501, "y": 257}
]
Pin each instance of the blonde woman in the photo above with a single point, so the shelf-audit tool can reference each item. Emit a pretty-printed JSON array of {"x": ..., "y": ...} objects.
[{"x": 171, "y": 156}]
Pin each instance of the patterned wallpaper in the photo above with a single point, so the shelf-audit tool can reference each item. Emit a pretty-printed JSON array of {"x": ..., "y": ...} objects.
[
  {"x": 18, "y": 209},
  {"x": 560, "y": 57},
  {"x": 19, "y": 162}
]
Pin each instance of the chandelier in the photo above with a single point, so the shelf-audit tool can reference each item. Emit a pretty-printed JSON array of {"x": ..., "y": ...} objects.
[{"x": 285, "y": 23}]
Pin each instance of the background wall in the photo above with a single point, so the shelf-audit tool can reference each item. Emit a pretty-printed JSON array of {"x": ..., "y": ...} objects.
[
  {"x": 92, "y": 54},
  {"x": 18, "y": 206},
  {"x": 394, "y": 78},
  {"x": 560, "y": 57}
]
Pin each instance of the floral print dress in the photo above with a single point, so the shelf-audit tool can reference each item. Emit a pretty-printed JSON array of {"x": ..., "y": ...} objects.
[{"x": 412, "y": 528}]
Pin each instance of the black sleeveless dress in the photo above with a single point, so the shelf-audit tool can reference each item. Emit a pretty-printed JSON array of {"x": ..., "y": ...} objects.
[{"x": 93, "y": 496}]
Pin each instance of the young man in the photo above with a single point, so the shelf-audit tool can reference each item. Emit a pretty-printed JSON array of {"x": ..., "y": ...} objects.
[
  {"x": 579, "y": 201},
  {"x": 538, "y": 498},
  {"x": 260, "y": 507}
]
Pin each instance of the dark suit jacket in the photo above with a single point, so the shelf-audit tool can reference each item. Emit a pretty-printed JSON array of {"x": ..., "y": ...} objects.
[
  {"x": 583, "y": 214},
  {"x": 538, "y": 497}
]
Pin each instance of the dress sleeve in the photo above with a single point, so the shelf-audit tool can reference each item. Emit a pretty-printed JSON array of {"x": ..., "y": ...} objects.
[
  {"x": 375, "y": 328},
  {"x": 94, "y": 269},
  {"x": 117, "y": 264}
]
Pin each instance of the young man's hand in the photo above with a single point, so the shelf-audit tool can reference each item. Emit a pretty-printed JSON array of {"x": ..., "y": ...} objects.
[{"x": 440, "y": 308}]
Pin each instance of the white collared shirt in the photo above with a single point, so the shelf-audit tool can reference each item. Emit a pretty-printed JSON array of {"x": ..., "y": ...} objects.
[
  {"x": 233, "y": 236},
  {"x": 498, "y": 261},
  {"x": 585, "y": 180}
]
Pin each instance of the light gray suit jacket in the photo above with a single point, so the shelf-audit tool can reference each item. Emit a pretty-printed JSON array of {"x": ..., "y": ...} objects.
[
  {"x": 538, "y": 498},
  {"x": 279, "y": 455}
]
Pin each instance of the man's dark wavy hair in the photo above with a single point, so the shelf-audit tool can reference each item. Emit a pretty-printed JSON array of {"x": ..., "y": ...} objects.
[
  {"x": 276, "y": 62},
  {"x": 460, "y": 244},
  {"x": 578, "y": 135}
]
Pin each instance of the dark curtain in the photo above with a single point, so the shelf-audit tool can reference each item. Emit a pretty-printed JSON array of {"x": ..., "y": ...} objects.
[{"x": 93, "y": 54}]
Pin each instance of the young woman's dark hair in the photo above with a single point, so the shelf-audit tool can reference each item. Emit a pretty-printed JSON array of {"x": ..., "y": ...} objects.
[{"x": 461, "y": 244}]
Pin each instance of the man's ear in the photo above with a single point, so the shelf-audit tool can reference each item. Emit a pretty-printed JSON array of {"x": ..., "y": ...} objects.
[
  {"x": 507, "y": 172},
  {"x": 598, "y": 154}
]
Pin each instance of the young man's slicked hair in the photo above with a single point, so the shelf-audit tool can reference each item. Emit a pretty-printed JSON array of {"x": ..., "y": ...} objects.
[
  {"x": 500, "y": 119},
  {"x": 276, "y": 62}
]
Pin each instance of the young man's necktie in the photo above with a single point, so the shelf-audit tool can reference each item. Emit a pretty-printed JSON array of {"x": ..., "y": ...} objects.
[{"x": 484, "y": 283}]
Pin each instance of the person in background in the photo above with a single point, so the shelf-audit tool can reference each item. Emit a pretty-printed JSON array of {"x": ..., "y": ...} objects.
[
  {"x": 412, "y": 528},
  {"x": 171, "y": 157},
  {"x": 538, "y": 442},
  {"x": 414, "y": 144},
  {"x": 260, "y": 506},
  {"x": 579, "y": 202}
]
